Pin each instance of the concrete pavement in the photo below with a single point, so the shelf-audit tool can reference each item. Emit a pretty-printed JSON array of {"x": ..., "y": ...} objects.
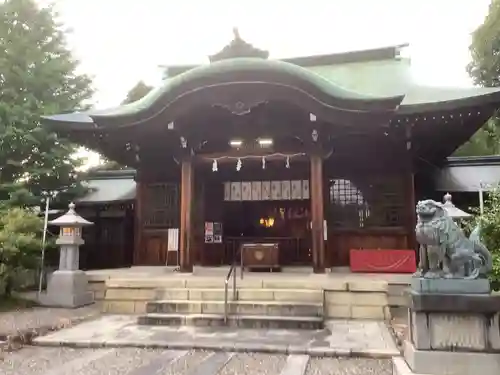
[{"x": 347, "y": 338}]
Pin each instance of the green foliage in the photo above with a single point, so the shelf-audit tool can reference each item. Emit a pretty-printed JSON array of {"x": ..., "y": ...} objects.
[
  {"x": 37, "y": 77},
  {"x": 485, "y": 49},
  {"x": 495, "y": 273},
  {"x": 485, "y": 142},
  {"x": 137, "y": 92},
  {"x": 485, "y": 71},
  {"x": 20, "y": 244},
  {"x": 489, "y": 223}
]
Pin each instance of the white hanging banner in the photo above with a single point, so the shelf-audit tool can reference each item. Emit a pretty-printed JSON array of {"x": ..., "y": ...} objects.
[
  {"x": 256, "y": 191},
  {"x": 275, "y": 190},
  {"x": 266, "y": 190},
  {"x": 305, "y": 189},
  {"x": 236, "y": 191},
  {"x": 173, "y": 239},
  {"x": 246, "y": 191},
  {"x": 296, "y": 189},
  {"x": 286, "y": 193},
  {"x": 227, "y": 191}
]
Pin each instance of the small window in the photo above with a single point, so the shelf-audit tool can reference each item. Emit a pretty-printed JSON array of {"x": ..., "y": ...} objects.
[{"x": 349, "y": 206}]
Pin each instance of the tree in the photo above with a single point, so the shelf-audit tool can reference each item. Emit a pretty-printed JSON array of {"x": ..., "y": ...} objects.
[
  {"x": 37, "y": 77},
  {"x": 20, "y": 245},
  {"x": 484, "y": 142},
  {"x": 485, "y": 71},
  {"x": 489, "y": 229},
  {"x": 137, "y": 92},
  {"x": 485, "y": 49}
]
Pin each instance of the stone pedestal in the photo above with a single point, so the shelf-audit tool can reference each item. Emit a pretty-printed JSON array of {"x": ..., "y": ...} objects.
[
  {"x": 68, "y": 286},
  {"x": 453, "y": 334},
  {"x": 67, "y": 289}
]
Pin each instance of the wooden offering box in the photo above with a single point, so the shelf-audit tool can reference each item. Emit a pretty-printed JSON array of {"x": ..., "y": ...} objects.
[{"x": 260, "y": 255}]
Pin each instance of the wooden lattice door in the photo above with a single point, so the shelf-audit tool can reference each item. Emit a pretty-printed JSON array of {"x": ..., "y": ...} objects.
[{"x": 160, "y": 211}]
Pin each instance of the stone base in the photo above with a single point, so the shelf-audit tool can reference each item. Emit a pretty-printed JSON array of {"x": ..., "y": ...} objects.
[
  {"x": 67, "y": 289},
  {"x": 455, "y": 331},
  {"x": 447, "y": 363},
  {"x": 450, "y": 286}
]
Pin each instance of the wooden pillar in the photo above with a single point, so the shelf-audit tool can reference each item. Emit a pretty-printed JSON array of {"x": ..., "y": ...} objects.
[
  {"x": 412, "y": 215},
  {"x": 92, "y": 257},
  {"x": 185, "y": 232},
  {"x": 316, "y": 188},
  {"x": 138, "y": 222},
  {"x": 410, "y": 191}
]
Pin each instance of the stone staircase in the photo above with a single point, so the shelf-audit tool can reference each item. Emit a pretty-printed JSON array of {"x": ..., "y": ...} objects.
[
  {"x": 290, "y": 299},
  {"x": 252, "y": 308}
]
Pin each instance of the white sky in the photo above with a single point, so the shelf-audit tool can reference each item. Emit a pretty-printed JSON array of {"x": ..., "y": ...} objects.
[{"x": 120, "y": 42}]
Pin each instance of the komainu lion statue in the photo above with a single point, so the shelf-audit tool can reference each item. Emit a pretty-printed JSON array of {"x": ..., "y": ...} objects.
[{"x": 445, "y": 251}]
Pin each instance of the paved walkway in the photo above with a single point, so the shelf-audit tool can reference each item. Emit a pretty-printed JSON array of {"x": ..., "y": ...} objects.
[
  {"x": 341, "y": 338},
  {"x": 18, "y": 327},
  {"x": 130, "y": 361}
]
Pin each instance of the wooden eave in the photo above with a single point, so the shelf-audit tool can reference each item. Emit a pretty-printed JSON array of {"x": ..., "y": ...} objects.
[{"x": 435, "y": 135}]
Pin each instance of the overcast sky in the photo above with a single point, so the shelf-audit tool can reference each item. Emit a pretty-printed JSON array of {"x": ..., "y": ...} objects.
[{"x": 120, "y": 42}]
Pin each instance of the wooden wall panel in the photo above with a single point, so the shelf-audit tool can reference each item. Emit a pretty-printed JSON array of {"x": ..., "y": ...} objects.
[{"x": 157, "y": 209}]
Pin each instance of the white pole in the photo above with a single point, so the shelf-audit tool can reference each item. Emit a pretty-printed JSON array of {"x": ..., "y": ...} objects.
[
  {"x": 481, "y": 199},
  {"x": 44, "y": 238}
]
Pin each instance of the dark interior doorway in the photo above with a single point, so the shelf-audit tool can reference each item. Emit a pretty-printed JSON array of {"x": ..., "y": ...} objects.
[{"x": 284, "y": 222}]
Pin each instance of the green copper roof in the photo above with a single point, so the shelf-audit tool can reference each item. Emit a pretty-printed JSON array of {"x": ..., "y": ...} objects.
[
  {"x": 387, "y": 77},
  {"x": 380, "y": 79},
  {"x": 228, "y": 66},
  {"x": 392, "y": 77}
]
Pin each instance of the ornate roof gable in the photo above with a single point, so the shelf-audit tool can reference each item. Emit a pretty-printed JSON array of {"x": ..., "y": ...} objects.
[{"x": 238, "y": 48}]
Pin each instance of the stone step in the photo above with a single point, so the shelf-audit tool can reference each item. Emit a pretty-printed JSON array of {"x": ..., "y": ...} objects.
[
  {"x": 277, "y": 308},
  {"x": 211, "y": 294},
  {"x": 198, "y": 282},
  {"x": 241, "y": 321}
]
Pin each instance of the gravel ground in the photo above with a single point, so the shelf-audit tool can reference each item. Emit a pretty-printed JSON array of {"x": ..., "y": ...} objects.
[
  {"x": 254, "y": 364},
  {"x": 186, "y": 363},
  {"x": 399, "y": 325},
  {"x": 349, "y": 366},
  {"x": 129, "y": 361},
  {"x": 32, "y": 360},
  {"x": 15, "y": 321},
  {"x": 118, "y": 362}
]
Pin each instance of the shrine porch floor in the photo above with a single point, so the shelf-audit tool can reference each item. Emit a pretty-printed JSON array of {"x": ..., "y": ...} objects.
[{"x": 219, "y": 273}]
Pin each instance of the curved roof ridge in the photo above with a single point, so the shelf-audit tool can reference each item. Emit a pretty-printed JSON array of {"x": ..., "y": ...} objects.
[{"x": 224, "y": 66}]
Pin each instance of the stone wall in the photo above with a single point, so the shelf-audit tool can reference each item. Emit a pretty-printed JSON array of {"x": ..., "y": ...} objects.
[
  {"x": 365, "y": 299},
  {"x": 358, "y": 300}
]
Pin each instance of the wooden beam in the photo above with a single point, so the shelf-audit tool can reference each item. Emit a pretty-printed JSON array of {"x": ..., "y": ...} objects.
[
  {"x": 412, "y": 216},
  {"x": 410, "y": 190},
  {"x": 138, "y": 227},
  {"x": 187, "y": 174},
  {"x": 317, "y": 213}
]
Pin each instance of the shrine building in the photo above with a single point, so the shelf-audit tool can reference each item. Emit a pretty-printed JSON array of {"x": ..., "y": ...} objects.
[{"x": 311, "y": 156}]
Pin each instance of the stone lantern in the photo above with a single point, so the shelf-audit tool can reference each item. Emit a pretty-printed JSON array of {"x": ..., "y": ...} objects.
[
  {"x": 453, "y": 211},
  {"x": 68, "y": 286}
]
